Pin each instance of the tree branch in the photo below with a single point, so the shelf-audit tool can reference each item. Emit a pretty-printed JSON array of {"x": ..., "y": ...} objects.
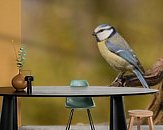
[{"x": 153, "y": 77}]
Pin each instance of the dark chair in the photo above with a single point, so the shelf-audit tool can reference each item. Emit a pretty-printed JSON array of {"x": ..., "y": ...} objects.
[{"x": 79, "y": 103}]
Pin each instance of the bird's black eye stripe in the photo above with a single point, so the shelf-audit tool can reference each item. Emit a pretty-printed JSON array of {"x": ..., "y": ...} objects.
[
  {"x": 106, "y": 29},
  {"x": 101, "y": 30}
]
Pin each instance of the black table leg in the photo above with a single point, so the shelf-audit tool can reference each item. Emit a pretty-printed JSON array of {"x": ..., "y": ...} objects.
[
  {"x": 9, "y": 113},
  {"x": 117, "y": 114}
]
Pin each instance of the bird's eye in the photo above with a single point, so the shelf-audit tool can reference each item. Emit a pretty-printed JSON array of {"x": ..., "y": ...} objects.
[{"x": 101, "y": 30}]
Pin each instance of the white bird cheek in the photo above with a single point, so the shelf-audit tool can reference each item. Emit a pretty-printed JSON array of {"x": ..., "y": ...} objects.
[{"x": 104, "y": 35}]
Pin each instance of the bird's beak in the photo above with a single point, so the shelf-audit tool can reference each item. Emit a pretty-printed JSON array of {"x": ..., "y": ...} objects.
[{"x": 93, "y": 34}]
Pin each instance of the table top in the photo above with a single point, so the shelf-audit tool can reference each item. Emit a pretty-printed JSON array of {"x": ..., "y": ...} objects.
[{"x": 65, "y": 91}]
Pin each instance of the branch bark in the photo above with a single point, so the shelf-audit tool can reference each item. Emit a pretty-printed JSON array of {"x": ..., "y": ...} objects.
[{"x": 154, "y": 78}]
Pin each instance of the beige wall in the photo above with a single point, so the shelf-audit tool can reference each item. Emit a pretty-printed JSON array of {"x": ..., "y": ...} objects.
[
  {"x": 10, "y": 29},
  {"x": 10, "y": 12}
]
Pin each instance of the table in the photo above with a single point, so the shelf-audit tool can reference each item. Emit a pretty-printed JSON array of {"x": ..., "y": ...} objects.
[{"x": 117, "y": 115}]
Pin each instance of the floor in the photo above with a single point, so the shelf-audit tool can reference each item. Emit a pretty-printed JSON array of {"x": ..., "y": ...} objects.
[{"x": 81, "y": 127}]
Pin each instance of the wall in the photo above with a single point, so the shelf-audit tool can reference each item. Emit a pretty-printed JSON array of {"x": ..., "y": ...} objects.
[{"x": 9, "y": 30}]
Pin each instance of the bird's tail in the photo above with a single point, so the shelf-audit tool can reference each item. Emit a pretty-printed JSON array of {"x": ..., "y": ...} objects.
[{"x": 141, "y": 78}]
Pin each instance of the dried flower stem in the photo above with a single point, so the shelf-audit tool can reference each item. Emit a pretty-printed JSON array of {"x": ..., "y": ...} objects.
[
  {"x": 14, "y": 49},
  {"x": 20, "y": 57}
]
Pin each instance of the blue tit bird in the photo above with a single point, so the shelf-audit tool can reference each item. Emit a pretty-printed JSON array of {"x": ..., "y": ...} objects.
[{"x": 117, "y": 52}]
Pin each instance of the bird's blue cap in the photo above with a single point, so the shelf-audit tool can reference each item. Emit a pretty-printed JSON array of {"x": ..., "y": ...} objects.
[{"x": 102, "y": 26}]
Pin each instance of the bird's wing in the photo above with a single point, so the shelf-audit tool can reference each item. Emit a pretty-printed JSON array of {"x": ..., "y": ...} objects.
[{"x": 126, "y": 54}]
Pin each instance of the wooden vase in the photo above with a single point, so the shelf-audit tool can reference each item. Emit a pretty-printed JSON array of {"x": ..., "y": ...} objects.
[{"x": 18, "y": 82}]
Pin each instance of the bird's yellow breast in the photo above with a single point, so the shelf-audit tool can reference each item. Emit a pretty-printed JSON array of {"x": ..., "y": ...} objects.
[{"x": 113, "y": 59}]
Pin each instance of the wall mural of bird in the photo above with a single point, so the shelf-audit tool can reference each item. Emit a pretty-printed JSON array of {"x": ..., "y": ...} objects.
[{"x": 118, "y": 53}]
